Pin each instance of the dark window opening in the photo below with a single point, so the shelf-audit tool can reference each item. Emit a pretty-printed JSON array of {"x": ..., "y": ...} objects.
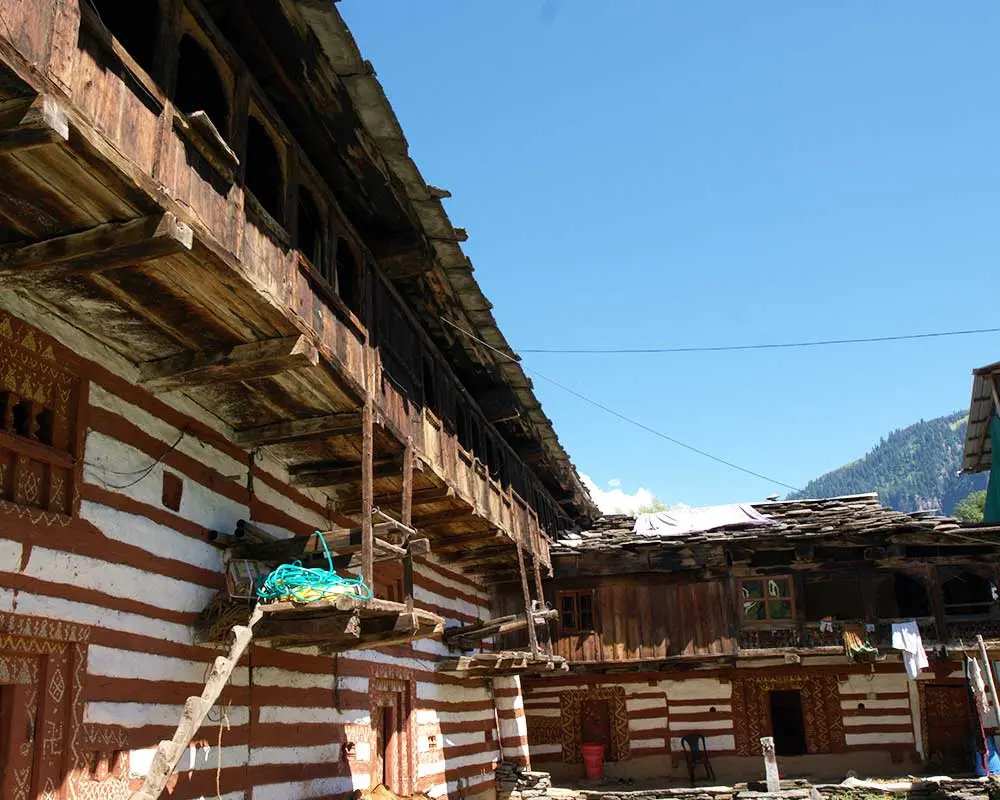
[
  {"x": 430, "y": 384},
  {"x": 912, "y": 599},
  {"x": 463, "y": 429},
  {"x": 772, "y": 558},
  {"x": 199, "y": 86},
  {"x": 134, "y": 24},
  {"x": 837, "y": 596},
  {"x": 23, "y": 419},
  {"x": 264, "y": 176},
  {"x": 576, "y": 611},
  {"x": 45, "y": 424},
  {"x": 309, "y": 239},
  {"x": 967, "y": 594},
  {"x": 787, "y": 723},
  {"x": 348, "y": 276}
]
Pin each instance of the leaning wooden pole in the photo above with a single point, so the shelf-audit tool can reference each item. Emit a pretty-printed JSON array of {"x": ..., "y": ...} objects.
[
  {"x": 169, "y": 752},
  {"x": 532, "y": 634},
  {"x": 367, "y": 496},
  {"x": 990, "y": 681}
]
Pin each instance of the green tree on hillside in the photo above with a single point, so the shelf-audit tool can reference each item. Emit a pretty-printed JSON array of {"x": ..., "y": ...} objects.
[{"x": 970, "y": 508}]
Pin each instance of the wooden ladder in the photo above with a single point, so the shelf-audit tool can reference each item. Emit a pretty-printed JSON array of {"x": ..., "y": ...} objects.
[{"x": 169, "y": 752}]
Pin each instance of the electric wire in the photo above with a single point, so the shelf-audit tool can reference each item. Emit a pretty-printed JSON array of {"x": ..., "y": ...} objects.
[
  {"x": 624, "y": 417},
  {"x": 762, "y": 346}
]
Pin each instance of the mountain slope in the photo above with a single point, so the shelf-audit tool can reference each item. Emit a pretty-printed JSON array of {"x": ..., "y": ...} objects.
[{"x": 912, "y": 469}]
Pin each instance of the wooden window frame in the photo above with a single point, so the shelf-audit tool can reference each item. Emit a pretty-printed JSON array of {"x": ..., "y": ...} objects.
[
  {"x": 576, "y": 594},
  {"x": 767, "y": 620}
]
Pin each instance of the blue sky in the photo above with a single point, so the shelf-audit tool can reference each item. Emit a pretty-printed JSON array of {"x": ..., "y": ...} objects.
[{"x": 709, "y": 173}]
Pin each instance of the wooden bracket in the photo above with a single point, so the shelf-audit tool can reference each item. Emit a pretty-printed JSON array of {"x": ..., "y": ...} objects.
[
  {"x": 41, "y": 122},
  {"x": 196, "y": 368},
  {"x": 110, "y": 246}
]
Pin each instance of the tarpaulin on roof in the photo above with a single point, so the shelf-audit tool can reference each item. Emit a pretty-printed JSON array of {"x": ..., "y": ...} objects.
[
  {"x": 991, "y": 511},
  {"x": 680, "y": 521}
]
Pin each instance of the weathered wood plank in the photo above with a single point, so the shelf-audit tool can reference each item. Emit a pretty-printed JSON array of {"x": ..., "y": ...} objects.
[
  {"x": 335, "y": 473},
  {"x": 105, "y": 247},
  {"x": 367, "y": 495},
  {"x": 429, "y": 495},
  {"x": 347, "y": 423},
  {"x": 243, "y": 362},
  {"x": 42, "y": 123}
]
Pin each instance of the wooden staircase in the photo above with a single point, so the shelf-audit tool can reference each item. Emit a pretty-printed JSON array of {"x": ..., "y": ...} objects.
[{"x": 169, "y": 752}]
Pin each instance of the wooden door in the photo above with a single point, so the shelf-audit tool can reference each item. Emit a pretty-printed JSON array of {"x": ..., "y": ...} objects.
[
  {"x": 389, "y": 751},
  {"x": 17, "y": 741},
  {"x": 595, "y": 724},
  {"x": 949, "y": 725}
]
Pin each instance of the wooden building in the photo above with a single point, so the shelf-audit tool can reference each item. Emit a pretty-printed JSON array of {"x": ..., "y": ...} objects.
[
  {"x": 232, "y": 312},
  {"x": 744, "y": 631}
]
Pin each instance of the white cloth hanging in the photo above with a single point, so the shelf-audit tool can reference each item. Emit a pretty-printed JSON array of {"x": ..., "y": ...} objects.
[{"x": 906, "y": 637}]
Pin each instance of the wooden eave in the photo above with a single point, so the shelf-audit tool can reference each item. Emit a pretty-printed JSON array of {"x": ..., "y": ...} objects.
[{"x": 978, "y": 455}]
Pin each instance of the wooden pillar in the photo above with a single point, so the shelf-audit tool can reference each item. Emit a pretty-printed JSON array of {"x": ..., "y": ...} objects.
[
  {"x": 367, "y": 495},
  {"x": 406, "y": 517},
  {"x": 532, "y": 635}
]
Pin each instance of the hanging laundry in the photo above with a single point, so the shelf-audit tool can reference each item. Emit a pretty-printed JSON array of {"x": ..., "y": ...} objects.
[
  {"x": 984, "y": 704},
  {"x": 826, "y": 625},
  {"x": 906, "y": 637}
]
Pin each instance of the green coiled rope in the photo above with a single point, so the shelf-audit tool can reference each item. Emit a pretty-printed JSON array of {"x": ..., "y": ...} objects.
[{"x": 306, "y": 585}]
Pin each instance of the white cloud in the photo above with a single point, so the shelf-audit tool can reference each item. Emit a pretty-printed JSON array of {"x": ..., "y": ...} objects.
[{"x": 615, "y": 500}]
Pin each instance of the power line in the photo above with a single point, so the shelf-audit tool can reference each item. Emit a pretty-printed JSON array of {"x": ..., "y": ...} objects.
[
  {"x": 773, "y": 346},
  {"x": 619, "y": 415}
]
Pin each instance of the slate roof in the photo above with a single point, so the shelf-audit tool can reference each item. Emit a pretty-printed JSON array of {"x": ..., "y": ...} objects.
[{"x": 797, "y": 519}]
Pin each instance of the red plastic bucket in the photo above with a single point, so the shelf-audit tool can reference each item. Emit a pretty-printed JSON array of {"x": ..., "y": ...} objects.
[{"x": 593, "y": 761}]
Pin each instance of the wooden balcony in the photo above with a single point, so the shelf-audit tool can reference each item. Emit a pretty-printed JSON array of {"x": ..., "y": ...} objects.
[{"x": 122, "y": 227}]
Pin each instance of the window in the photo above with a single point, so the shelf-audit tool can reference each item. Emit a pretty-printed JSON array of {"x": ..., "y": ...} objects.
[
  {"x": 767, "y": 599},
  {"x": 199, "y": 87},
  {"x": 968, "y": 594},
  {"x": 309, "y": 237},
  {"x": 348, "y": 276},
  {"x": 264, "y": 174},
  {"x": 836, "y": 595},
  {"x": 576, "y": 611},
  {"x": 134, "y": 24}
]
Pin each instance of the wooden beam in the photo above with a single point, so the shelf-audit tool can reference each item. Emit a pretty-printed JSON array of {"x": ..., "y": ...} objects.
[
  {"x": 339, "y": 625},
  {"x": 429, "y": 495},
  {"x": 467, "y": 636},
  {"x": 40, "y": 122},
  {"x": 406, "y": 517},
  {"x": 110, "y": 246},
  {"x": 367, "y": 496},
  {"x": 196, "y": 368},
  {"x": 347, "y": 423},
  {"x": 337, "y": 473},
  {"x": 532, "y": 633},
  {"x": 439, "y": 517}
]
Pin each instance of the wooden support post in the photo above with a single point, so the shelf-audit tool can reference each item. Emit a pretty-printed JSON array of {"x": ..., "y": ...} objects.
[
  {"x": 116, "y": 244},
  {"x": 770, "y": 765},
  {"x": 344, "y": 424},
  {"x": 406, "y": 517},
  {"x": 532, "y": 634},
  {"x": 539, "y": 590},
  {"x": 367, "y": 495},
  {"x": 243, "y": 362},
  {"x": 42, "y": 122}
]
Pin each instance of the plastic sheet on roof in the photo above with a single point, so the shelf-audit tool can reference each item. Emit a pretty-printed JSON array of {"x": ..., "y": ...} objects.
[{"x": 682, "y": 521}]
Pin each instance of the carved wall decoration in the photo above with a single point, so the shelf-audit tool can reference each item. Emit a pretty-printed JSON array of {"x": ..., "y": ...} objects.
[
  {"x": 824, "y": 722},
  {"x": 42, "y": 672},
  {"x": 40, "y": 438},
  {"x": 544, "y": 730},
  {"x": 570, "y": 706}
]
